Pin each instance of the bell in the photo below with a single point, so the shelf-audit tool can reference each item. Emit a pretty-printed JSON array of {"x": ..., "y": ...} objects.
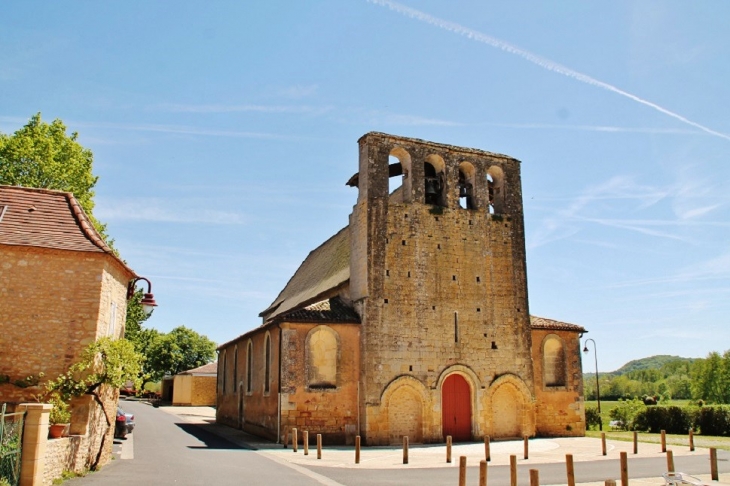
[
  {"x": 464, "y": 189},
  {"x": 431, "y": 189}
]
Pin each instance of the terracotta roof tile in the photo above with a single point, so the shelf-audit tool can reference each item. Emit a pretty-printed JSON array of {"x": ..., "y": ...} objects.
[
  {"x": 44, "y": 218},
  {"x": 206, "y": 369},
  {"x": 550, "y": 324}
]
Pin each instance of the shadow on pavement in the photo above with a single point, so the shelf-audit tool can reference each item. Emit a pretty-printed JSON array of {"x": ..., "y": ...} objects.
[{"x": 211, "y": 440}]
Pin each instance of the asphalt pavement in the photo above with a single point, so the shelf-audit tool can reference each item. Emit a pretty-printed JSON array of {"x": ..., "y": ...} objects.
[{"x": 546, "y": 455}]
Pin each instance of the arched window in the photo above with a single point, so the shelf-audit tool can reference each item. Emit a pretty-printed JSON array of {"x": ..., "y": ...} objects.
[
  {"x": 235, "y": 367},
  {"x": 495, "y": 186},
  {"x": 249, "y": 367},
  {"x": 267, "y": 364},
  {"x": 553, "y": 361},
  {"x": 322, "y": 353},
  {"x": 223, "y": 375},
  {"x": 434, "y": 180},
  {"x": 399, "y": 175},
  {"x": 466, "y": 186}
]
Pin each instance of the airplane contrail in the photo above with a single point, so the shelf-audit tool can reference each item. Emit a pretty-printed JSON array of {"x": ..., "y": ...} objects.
[{"x": 535, "y": 59}]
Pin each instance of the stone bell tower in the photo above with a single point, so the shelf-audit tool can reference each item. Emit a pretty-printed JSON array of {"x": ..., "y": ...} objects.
[{"x": 438, "y": 276}]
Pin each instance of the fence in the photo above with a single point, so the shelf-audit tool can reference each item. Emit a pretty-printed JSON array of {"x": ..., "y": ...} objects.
[{"x": 11, "y": 445}]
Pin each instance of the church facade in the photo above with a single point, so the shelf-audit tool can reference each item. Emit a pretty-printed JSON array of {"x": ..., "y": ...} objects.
[{"x": 413, "y": 320}]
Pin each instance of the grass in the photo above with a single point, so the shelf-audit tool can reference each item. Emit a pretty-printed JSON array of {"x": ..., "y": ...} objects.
[{"x": 673, "y": 439}]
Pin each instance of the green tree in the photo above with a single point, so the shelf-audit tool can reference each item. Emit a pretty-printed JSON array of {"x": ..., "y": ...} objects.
[
  {"x": 43, "y": 155},
  {"x": 180, "y": 350}
]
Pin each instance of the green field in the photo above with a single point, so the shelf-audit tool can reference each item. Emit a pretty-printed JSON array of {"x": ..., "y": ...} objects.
[{"x": 681, "y": 440}]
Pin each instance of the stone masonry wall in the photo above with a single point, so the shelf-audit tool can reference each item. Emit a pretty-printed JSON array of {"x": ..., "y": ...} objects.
[
  {"x": 560, "y": 409},
  {"x": 202, "y": 391}
]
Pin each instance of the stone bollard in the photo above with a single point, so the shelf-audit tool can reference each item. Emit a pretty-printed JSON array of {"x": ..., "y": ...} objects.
[
  {"x": 35, "y": 438},
  {"x": 448, "y": 449},
  {"x": 487, "y": 451},
  {"x": 482, "y": 473},
  {"x": 319, "y": 446},
  {"x": 357, "y": 449},
  {"x": 405, "y": 449},
  {"x": 305, "y": 441},
  {"x": 513, "y": 470},
  {"x": 570, "y": 471},
  {"x": 294, "y": 439},
  {"x": 670, "y": 461},
  {"x": 534, "y": 477},
  {"x": 462, "y": 471},
  {"x": 624, "y": 469}
]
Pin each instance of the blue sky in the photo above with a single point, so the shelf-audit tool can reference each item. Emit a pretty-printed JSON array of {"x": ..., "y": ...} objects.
[{"x": 224, "y": 132}]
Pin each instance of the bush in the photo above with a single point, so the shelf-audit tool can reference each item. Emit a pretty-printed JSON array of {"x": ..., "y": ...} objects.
[
  {"x": 674, "y": 420},
  {"x": 626, "y": 411},
  {"x": 593, "y": 418},
  {"x": 713, "y": 421}
]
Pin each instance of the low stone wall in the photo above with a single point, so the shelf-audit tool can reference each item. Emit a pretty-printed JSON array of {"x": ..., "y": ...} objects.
[{"x": 65, "y": 454}]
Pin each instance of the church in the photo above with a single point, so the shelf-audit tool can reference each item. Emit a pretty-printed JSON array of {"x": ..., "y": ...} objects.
[{"x": 413, "y": 319}]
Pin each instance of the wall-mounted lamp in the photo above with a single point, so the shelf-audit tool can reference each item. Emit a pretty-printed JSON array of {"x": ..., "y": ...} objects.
[{"x": 148, "y": 300}]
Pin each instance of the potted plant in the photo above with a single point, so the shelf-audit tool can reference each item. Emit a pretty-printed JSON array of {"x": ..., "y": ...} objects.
[{"x": 59, "y": 418}]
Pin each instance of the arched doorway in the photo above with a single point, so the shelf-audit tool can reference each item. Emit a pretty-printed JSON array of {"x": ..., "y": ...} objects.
[
  {"x": 507, "y": 411},
  {"x": 456, "y": 408},
  {"x": 405, "y": 415}
]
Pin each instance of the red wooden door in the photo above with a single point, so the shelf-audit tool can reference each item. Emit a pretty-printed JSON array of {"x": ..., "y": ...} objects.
[{"x": 456, "y": 408}]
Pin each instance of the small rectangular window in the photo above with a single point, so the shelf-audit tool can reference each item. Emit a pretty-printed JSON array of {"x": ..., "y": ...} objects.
[{"x": 112, "y": 318}]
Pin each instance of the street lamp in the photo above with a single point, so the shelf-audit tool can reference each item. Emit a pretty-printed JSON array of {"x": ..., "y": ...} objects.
[
  {"x": 148, "y": 300},
  {"x": 598, "y": 392}
]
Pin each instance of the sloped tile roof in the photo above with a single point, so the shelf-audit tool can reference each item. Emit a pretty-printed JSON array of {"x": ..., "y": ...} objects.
[
  {"x": 206, "y": 369},
  {"x": 552, "y": 325},
  {"x": 43, "y": 218},
  {"x": 329, "y": 310},
  {"x": 325, "y": 268}
]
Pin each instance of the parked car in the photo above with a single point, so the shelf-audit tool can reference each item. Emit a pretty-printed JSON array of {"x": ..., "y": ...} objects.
[{"x": 124, "y": 424}]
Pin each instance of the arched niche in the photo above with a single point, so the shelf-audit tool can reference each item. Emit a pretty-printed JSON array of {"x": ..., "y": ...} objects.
[
  {"x": 399, "y": 175},
  {"x": 434, "y": 180},
  {"x": 466, "y": 186},
  {"x": 322, "y": 357},
  {"x": 496, "y": 189},
  {"x": 553, "y": 361}
]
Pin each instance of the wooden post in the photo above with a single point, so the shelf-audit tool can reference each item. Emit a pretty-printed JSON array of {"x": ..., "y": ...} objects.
[
  {"x": 482, "y": 473},
  {"x": 462, "y": 471},
  {"x": 357, "y": 449},
  {"x": 294, "y": 439},
  {"x": 513, "y": 470},
  {"x": 713, "y": 464},
  {"x": 603, "y": 443},
  {"x": 636, "y": 442},
  {"x": 691, "y": 440},
  {"x": 487, "y": 451},
  {"x": 305, "y": 442},
  {"x": 670, "y": 461},
  {"x": 569, "y": 469},
  {"x": 534, "y": 477},
  {"x": 610, "y": 482},
  {"x": 664, "y": 441},
  {"x": 319, "y": 446},
  {"x": 526, "y": 447},
  {"x": 405, "y": 449},
  {"x": 624, "y": 469},
  {"x": 448, "y": 449}
]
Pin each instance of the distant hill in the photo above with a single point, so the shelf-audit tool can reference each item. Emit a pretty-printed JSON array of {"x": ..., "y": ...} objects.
[{"x": 652, "y": 362}]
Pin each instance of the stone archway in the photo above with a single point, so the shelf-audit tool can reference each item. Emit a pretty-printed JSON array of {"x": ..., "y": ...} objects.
[
  {"x": 456, "y": 408},
  {"x": 405, "y": 415},
  {"x": 507, "y": 411}
]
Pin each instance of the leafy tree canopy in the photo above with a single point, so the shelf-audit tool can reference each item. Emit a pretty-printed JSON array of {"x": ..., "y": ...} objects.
[
  {"x": 180, "y": 350},
  {"x": 43, "y": 155}
]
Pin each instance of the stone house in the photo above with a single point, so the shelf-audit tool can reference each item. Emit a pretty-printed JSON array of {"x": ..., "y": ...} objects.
[
  {"x": 61, "y": 288},
  {"x": 196, "y": 387},
  {"x": 412, "y": 320}
]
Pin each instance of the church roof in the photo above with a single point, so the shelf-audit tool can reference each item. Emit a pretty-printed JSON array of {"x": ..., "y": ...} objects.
[
  {"x": 44, "y": 218},
  {"x": 328, "y": 310},
  {"x": 552, "y": 325},
  {"x": 206, "y": 369},
  {"x": 325, "y": 268}
]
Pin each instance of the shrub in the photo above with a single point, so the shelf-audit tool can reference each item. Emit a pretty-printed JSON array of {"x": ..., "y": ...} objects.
[
  {"x": 714, "y": 421},
  {"x": 593, "y": 418},
  {"x": 674, "y": 420}
]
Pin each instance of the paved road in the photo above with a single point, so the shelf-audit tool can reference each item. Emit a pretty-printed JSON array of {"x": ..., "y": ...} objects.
[
  {"x": 190, "y": 450},
  {"x": 170, "y": 451}
]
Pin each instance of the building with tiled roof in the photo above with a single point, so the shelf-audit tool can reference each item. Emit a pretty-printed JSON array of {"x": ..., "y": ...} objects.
[
  {"x": 412, "y": 320},
  {"x": 61, "y": 288}
]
